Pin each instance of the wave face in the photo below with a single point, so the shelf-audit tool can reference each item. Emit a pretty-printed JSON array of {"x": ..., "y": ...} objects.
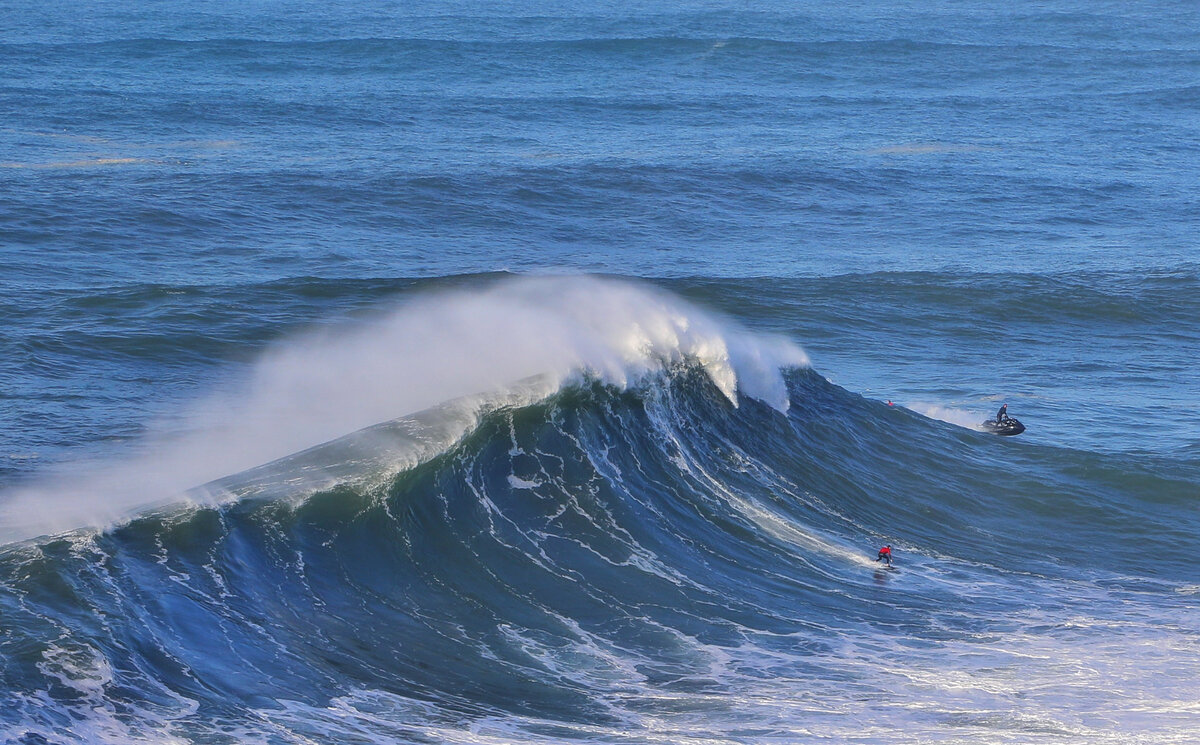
[{"x": 648, "y": 563}]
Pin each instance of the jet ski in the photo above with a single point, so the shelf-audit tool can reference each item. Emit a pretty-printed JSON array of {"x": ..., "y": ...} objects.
[{"x": 1008, "y": 426}]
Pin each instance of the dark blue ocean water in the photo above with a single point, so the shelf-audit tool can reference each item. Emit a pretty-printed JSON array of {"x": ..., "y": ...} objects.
[{"x": 455, "y": 373}]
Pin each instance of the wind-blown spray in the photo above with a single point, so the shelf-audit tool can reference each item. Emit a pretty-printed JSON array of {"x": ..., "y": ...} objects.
[{"x": 439, "y": 346}]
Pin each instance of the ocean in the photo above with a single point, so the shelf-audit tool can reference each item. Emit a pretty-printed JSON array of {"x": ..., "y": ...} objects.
[{"x": 461, "y": 372}]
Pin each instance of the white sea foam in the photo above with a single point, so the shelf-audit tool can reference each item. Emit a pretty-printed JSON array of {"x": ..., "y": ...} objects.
[
  {"x": 1043, "y": 681},
  {"x": 427, "y": 350}
]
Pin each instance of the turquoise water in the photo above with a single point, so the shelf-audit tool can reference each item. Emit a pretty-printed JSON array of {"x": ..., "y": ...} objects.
[{"x": 449, "y": 373}]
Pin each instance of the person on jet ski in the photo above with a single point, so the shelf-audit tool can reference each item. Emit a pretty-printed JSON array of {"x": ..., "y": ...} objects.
[{"x": 1002, "y": 415}]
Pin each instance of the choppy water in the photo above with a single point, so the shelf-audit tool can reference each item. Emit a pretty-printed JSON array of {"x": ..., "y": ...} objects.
[{"x": 313, "y": 431}]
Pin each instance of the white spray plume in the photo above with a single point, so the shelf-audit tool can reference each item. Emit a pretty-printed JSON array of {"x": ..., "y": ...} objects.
[
  {"x": 430, "y": 349},
  {"x": 950, "y": 415}
]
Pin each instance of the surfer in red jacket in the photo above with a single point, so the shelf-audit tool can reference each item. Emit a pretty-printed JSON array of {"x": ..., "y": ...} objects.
[{"x": 885, "y": 554}]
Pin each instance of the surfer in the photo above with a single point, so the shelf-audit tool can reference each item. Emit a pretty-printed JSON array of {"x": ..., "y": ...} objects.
[
  {"x": 885, "y": 554},
  {"x": 1002, "y": 415}
]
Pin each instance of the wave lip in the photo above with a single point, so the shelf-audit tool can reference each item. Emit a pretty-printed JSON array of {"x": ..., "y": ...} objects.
[{"x": 478, "y": 340}]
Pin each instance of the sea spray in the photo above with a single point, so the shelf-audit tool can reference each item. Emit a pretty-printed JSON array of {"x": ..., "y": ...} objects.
[
  {"x": 949, "y": 414},
  {"x": 438, "y": 346}
]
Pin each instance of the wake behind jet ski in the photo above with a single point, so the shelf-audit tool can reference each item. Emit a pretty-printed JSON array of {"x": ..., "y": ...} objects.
[{"x": 1003, "y": 424}]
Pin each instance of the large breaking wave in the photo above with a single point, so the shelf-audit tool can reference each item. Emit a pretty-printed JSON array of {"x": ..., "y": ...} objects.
[
  {"x": 514, "y": 340},
  {"x": 621, "y": 552}
]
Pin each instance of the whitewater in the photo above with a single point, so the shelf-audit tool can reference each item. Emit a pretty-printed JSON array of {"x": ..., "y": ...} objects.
[{"x": 464, "y": 351}]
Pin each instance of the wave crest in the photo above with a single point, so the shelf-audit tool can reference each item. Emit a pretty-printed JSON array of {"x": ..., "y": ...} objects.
[{"x": 483, "y": 343}]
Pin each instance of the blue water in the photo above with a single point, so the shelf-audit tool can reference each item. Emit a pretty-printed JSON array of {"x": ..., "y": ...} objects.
[{"x": 455, "y": 373}]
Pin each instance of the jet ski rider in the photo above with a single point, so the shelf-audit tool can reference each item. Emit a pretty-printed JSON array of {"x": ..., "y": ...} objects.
[{"x": 1002, "y": 415}]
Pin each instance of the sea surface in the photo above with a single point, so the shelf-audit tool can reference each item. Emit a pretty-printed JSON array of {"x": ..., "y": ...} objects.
[{"x": 545, "y": 372}]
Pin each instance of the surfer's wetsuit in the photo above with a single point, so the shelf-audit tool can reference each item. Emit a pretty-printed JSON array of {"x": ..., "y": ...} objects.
[{"x": 885, "y": 553}]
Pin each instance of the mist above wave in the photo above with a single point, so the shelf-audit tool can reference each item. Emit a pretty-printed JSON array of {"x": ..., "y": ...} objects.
[{"x": 426, "y": 349}]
